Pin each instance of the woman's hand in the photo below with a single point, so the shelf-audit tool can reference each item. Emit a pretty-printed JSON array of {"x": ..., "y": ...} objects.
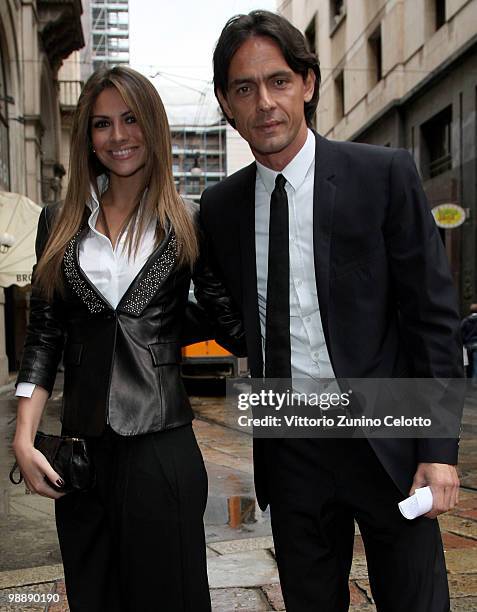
[
  {"x": 34, "y": 465},
  {"x": 35, "y": 468}
]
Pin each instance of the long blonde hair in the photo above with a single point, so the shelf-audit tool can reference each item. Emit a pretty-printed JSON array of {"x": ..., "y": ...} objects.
[{"x": 162, "y": 201}]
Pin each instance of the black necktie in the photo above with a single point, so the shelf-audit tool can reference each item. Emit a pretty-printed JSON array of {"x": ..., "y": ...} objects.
[{"x": 277, "y": 329}]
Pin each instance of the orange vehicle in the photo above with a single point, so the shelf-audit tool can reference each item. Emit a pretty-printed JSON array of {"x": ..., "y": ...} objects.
[{"x": 209, "y": 360}]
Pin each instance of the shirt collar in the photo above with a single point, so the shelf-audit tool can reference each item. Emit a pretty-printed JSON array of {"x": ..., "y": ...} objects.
[
  {"x": 296, "y": 171},
  {"x": 93, "y": 204},
  {"x": 103, "y": 183}
]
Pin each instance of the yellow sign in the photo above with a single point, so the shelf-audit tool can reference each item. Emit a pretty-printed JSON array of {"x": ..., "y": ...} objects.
[{"x": 448, "y": 216}]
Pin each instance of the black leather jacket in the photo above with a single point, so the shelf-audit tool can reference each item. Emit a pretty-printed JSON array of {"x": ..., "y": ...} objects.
[{"x": 125, "y": 358}]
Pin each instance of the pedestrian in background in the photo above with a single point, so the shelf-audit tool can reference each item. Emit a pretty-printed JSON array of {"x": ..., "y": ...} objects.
[
  {"x": 469, "y": 338},
  {"x": 110, "y": 288}
]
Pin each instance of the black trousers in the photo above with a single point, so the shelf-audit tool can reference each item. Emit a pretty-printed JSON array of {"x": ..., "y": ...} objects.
[
  {"x": 317, "y": 489},
  {"x": 136, "y": 540}
]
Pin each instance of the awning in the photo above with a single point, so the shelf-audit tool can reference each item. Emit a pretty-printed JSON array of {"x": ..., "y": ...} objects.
[{"x": 19, "y": 219}]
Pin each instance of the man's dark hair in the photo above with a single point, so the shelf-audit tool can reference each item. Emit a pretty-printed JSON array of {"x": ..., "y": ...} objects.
[{"x": 290, "y": 40}]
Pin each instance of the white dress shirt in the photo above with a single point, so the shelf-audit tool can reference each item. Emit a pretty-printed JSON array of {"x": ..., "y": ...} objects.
[
  {"x": 110, "y": 270},
  {"x": 309, "y": 353}
]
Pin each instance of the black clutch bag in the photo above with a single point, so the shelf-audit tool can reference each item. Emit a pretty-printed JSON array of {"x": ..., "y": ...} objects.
[{"x": 68, "y": 457}]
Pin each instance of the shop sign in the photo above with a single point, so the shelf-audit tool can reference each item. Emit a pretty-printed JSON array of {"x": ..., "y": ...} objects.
[{"x": 448, "y": 216}]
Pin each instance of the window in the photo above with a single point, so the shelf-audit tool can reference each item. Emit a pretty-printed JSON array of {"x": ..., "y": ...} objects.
[
  {"x": 99, "y": 44},
  {"x": 440, "y": 13},
  {"x": 339, "y": 96},
  {"x": 337, "y": 9},
  {"x": 99, "y": 19},
  {"x": 437, "y": 144},
  {"x": 192, "y": 186},
  {"x": 115, "y": 17},
  {"x": 337, "y": 14},
  {"x": 189, "y": 163},
  {"x": 310, "y": 35},
  {"x": 435, "y": 16},
  {"x": 375, "y": 56},
  {"x": 118, "y": 20},
  {"x": 101, "y": 63}
]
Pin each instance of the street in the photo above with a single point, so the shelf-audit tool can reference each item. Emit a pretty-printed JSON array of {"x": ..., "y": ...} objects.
[{"x": 242, "y": 569}]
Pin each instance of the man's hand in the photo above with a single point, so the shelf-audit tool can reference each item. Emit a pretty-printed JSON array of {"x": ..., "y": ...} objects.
[{"x": 444, "y": 483}]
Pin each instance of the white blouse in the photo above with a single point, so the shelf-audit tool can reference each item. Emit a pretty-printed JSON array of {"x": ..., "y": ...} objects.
[{"x": 110, "y": 270}]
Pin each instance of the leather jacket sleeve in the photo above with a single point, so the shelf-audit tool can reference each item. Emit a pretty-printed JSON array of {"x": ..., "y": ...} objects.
[
  {"x": 197, "y": 325},
  {"x": 45, "y": 333},
  {"x": 215, "y": 300}
]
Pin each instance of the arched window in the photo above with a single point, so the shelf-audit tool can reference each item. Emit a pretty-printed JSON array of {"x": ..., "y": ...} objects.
[{"x": 4, "y": 147}]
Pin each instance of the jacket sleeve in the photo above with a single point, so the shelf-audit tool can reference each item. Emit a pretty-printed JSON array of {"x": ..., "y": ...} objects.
[
  {"x": 45, "y": 333},
  {"x": 218, "y": 306},
  {"x": 425, "y": 292},
  {"x": 197, "y": 325}
]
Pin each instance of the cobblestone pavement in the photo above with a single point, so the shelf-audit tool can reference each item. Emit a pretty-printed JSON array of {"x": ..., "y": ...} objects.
[{"x": 242, "y": 569}]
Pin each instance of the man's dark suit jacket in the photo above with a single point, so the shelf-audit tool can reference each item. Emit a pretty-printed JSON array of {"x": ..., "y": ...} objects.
[{"x": 387, "y": 300}]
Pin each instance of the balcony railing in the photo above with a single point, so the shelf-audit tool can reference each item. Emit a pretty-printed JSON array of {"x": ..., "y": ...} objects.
[{"x": 69, "y": 93}]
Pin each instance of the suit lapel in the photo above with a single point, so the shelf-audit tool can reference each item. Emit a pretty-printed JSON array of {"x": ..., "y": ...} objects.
[
  {"x": 323, "y": 204},
  {"x": 245, "y": 204}
]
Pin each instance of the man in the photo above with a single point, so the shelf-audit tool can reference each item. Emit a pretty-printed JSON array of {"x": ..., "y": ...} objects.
[{"x": 332, "y": 254}]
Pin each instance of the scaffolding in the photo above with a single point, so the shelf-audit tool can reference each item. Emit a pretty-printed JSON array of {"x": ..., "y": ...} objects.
[
  {"x": 198, "y": 157},
  {"x": 109, "y": 32}
]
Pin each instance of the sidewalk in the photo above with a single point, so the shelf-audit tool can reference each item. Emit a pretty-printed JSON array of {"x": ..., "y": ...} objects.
[{"x": 242, "y": 569}]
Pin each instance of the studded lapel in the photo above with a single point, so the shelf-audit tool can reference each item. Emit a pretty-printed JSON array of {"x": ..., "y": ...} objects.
[
  {"x": 78, "y": 281},
  {"x": 154, "y": 272},
  {"x": 139, "y": 293}
]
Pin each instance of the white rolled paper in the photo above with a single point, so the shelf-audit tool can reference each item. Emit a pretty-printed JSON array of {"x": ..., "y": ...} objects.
[{"x": 418, "y": 504}]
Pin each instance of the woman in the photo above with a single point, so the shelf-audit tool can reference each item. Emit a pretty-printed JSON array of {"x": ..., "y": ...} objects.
[{"x": 110, "y": 288}]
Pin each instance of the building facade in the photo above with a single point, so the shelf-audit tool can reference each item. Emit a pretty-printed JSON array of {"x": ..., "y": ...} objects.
[
  {"x": 70, "y": 84},
  {"x": 403, "y": 73},
  {"x": 106, "y": 26},
  {"x": 198, "y": 157},
  {"x": 238, "y": 151},
  {"x": 36, "y": 36}
]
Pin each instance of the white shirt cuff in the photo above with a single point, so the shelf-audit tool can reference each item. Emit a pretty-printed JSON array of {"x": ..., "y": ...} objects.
[{"x": 25, "y": 389}]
